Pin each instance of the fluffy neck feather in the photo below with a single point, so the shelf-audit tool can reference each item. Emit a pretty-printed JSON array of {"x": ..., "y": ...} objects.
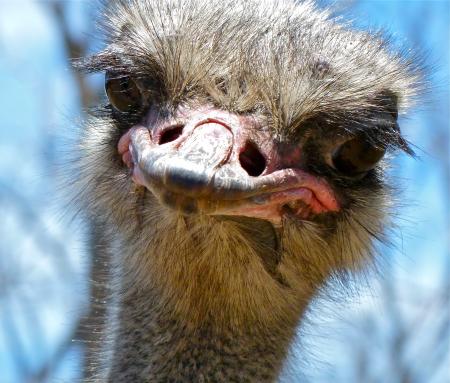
[{"x": 204, "y": 306}]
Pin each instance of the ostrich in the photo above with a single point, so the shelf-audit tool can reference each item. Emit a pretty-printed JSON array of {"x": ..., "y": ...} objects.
[{"x": 237, "y": 167}]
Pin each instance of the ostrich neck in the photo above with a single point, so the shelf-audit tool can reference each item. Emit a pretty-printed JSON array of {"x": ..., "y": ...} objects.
[
  {"x": 155, "y": 346},
  {"x": 218, "y": 314}
]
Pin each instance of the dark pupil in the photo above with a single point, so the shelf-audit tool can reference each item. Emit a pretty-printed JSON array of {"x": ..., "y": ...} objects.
[
  {"x": 356, "y": 156},
  {"x": 123, "y": 94}
]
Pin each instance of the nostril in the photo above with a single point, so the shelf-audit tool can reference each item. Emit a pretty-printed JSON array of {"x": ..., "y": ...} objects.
[
  {"x": 252, "y": 161},
  {"x": 171, "y": 134}
]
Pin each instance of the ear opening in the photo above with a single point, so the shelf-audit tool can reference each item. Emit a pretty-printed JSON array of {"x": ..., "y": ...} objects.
[{"x": 388, "y": 102}]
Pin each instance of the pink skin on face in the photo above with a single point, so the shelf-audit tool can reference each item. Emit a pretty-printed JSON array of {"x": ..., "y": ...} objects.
[{"x": 281, "y": 188}]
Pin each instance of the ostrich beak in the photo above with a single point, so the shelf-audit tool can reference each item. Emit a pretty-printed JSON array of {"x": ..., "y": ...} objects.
[{"x": 215, "y": 166}]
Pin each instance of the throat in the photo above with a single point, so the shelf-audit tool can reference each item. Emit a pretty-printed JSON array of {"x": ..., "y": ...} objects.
[
  {"x": 210, "y": 303},
  {"x": 153, "y": 344},
  {"x": 267, "y": 242}
]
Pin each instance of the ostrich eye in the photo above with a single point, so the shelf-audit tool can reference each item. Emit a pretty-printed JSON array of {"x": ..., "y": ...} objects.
[
  {"x": 123, "y": 93},
  {"x": 356, "y": 156}
]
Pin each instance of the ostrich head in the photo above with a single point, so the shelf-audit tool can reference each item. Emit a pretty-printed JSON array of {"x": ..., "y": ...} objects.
[{"x": 240, "y": 154}]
